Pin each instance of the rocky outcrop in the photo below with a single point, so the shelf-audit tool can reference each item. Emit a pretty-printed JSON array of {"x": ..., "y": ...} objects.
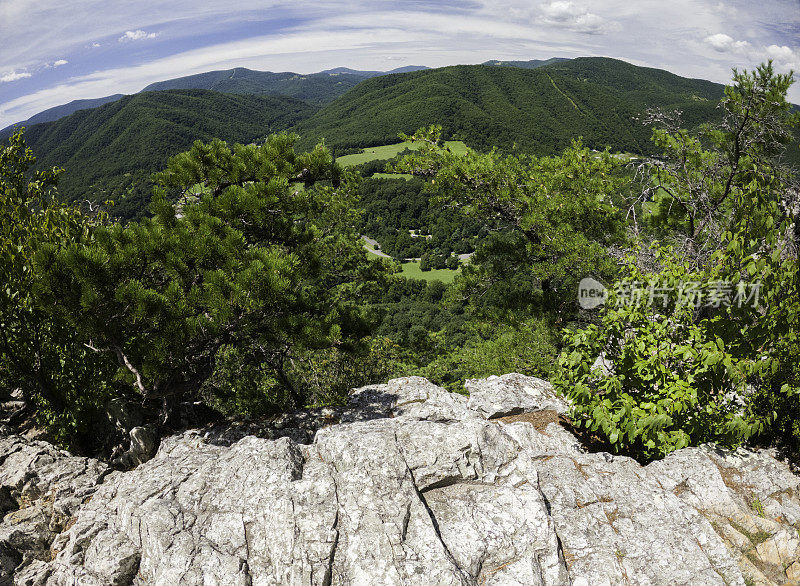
[
  {"x": 414, "y": 485},
  {"x": 41, "y": 488}
]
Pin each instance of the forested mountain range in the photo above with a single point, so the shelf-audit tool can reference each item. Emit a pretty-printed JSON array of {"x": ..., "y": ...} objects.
[
  {"x": 318, "y": 88},
  {"x": 314, "y": 88},
  {"x": 110, "y": 151},
  {"x": 57, "y": 112}
]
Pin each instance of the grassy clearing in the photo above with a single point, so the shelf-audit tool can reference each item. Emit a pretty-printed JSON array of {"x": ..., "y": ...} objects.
[
  {"x": 457, "y": 146},
  {"x": 411, "y": 271},
  {"x": 376, "y": 153},
  {"x": 389, "y": 151}
]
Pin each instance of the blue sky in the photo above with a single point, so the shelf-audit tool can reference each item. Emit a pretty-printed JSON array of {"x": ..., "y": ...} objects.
[{"x": 55, "y": 51}]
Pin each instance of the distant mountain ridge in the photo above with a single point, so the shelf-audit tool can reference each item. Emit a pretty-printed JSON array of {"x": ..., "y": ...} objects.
[
  {"x": 315, "y": 88},
  {"x": 109, "y": 152},
  {"x": 535, "y": 109},
  {"x": 56, "y": 112},
  {"x": 532, "y": 64},
  {"x": 367, "y": 74}
]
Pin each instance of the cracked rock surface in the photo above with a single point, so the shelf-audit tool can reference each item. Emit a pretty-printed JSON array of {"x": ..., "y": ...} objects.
[{"x": 408, "y": 485}]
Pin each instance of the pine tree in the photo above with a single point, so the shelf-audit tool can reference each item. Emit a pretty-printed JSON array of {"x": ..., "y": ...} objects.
[{"x": 257, "y": 263}]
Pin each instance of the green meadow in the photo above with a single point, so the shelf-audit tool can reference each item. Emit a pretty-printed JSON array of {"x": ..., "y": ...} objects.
[
  {"x": 411, "y": 270},
  {"x": 389, "y": 151}
]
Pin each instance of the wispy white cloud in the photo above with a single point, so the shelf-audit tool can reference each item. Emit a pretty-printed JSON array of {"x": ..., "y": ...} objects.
[
  {"x": 60, "y": 62},
  {"x": 13, "y": 76},
  {"x": 564, "y": 13},
  {"x": 784, "y": 57},
  {"x": 136, "y": 35},
  {"x": 723, "y": 43}
]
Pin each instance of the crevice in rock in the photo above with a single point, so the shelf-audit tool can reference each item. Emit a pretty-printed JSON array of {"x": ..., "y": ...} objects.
[
  {"x": 328, "y": 577},
  {"x": 244, "y": 568},
  {"x": 10, "y": 560},
  {"x": 299, "y": 464},
  {"x": 547, "y": 506},
  {"x": 445, "y": 482},
  {"x": 101, "y": 479},
  {"x": 465, "y": 576},
  {"x": 7, "y": 502},
  {"x": 564, "y": 556},
  {"x": 130, "y": 578},
  {"x": 406, "y": 520},
  {"x": 246, "y": 539},
  {"x": 507, "y": 413}
]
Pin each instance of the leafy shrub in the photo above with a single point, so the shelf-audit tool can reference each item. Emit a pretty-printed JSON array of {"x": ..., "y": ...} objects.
[
  {"x": 40, "y": 352},
  {"x": 671, "y": 384},
  {"x": 240, "y": 286},
  {"x": 326, "y": 376},
  {"x": 240, "y": 386}
]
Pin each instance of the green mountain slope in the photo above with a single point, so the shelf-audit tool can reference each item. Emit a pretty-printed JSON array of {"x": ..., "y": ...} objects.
[
  {"x": 540, "y": 110},
  {"x": 110, "y": 152}
]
